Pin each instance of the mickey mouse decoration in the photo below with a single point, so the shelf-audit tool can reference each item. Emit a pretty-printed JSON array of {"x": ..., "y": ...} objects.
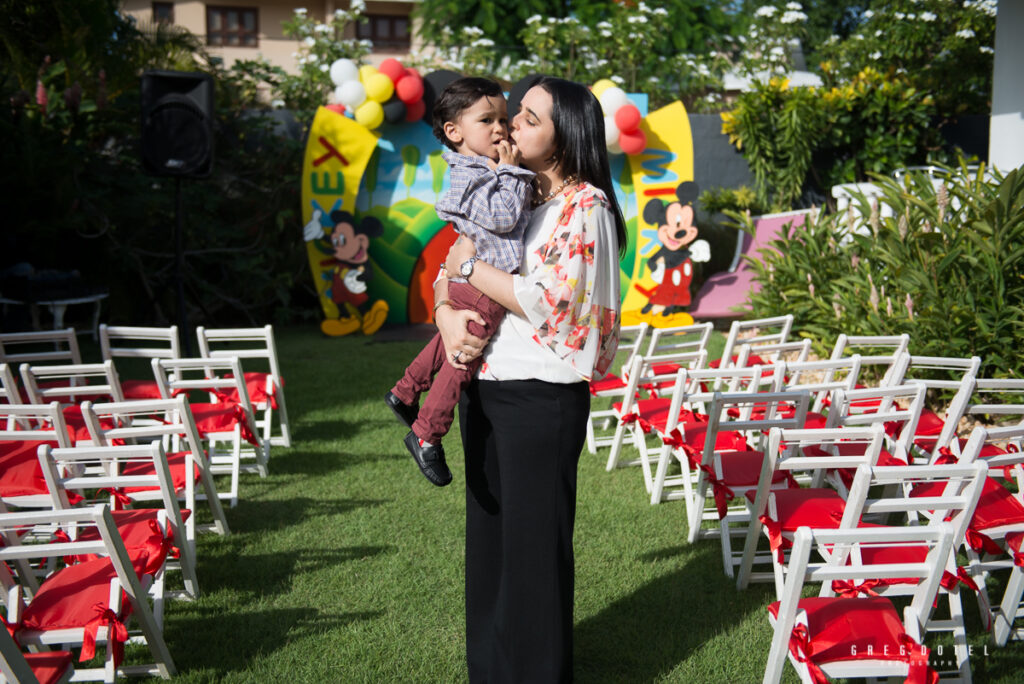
[
  {"x": 672, "y": 265},
  {"x": 347, "y": 241}
]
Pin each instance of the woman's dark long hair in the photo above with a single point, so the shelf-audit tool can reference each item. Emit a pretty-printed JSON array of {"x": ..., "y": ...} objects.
[{"x": 580, "y": 148}]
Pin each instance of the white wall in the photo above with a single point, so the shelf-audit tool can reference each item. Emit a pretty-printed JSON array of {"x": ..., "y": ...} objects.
[{"x": 1006, "y": 134}]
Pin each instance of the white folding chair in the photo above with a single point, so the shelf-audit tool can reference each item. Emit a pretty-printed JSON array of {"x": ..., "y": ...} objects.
[
  {"x": 134, "y": 342},
  {"x": 23, "y": 429},
  {"x": 48, "y": 346},
  {"x": 266, "y": 387},
  {"x": 877, "y": 352},
  {"x": 866, "y": 637},
  {"x": 112, "y": 474},
  {"x": 631, "y": 338},
  {"x": 636, "y": 418},
  {"x": 227, "y": 418},
  {"x": 778, "y": 513},
  {"x": 91, "y": 598},
  {"x": 731, "y": 473},
  {"x": 754, "y": 333},
  {"x": 128, "y": 422},
  {"x": 71, "y": 385},
  {"x": 46, "y": 667}
]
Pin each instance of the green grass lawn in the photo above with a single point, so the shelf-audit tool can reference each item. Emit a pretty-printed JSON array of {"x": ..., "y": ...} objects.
[{"x": 345, "y": 564}]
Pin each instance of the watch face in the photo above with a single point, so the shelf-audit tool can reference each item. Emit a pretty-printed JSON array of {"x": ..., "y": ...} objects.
[{"x": 467, "y": 267}]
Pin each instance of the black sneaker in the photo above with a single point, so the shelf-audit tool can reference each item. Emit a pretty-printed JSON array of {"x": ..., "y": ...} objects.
[
  {"x": 430, "y": 459},
  {"x": 405, "y": 413}
]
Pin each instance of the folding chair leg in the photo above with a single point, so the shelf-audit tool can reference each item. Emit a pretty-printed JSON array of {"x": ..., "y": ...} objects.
[
  {"x": 613, "y": 455},
  {"x": 285, "y": 438},
  {"x": 1009, "y": 609},
  {"x": 591, "y": 446}
]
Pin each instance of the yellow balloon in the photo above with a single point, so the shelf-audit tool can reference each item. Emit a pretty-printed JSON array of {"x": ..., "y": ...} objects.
[
  {"x": 366, "y": 71},
  {"x": 601, "y": 86},
  {"x": 379, "y": 87},
  {"x": 370, "y": 113}
]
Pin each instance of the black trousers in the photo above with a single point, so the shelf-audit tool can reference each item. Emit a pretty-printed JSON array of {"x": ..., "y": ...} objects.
[{"x": 522, "y": 441}]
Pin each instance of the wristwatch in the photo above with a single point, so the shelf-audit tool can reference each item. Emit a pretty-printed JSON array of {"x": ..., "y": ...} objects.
[{"x": 466, "y": 269}]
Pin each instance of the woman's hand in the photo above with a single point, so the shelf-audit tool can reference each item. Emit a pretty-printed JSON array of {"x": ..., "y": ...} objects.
[
  {"x": 460, "y": 345},
  {"x": 462, "y": 250}
]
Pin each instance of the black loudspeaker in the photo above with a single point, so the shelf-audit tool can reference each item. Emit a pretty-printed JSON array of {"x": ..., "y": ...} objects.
[{"x": 177, "y": 123}]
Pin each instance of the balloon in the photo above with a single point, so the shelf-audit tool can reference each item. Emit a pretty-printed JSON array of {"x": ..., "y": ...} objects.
[
  {"x": 611, "y": 131},
  {"x": 394, "y": 110},
  {"x": 370, "y": 114},
  {"x": 409, "y": 88},
  {"x": 601, "y": 86},
  {"x": 433, "y": 84},
  {"x": 413, "y": 71},
  {"x": 343, "y": 70},
  {"x": 634, "y": 142},
  {"x": 366, "y": 71},
  {"x": 351, "y": 94},
  {"x": 627, "y": 118},
  {"x": 614, "y": 148},
  {"x": 414, "y": 111},
  {"x": 516, "y": 92},
  {"x": 392, "y": 68},
  {"x": 379, "y": 87},
  {"x": 338, "y": 108},
  {"x": 611, "y": 99}
]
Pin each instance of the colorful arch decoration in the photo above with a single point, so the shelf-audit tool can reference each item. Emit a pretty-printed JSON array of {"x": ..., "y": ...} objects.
[{"x": 394, "y": 175}]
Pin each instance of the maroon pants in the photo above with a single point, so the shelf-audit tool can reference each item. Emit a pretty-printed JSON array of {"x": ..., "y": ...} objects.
[{"x": 431, "y": 370}]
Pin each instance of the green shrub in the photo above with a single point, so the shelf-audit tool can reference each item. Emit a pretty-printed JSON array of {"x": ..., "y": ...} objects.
[{"x": 947, "y": 268}]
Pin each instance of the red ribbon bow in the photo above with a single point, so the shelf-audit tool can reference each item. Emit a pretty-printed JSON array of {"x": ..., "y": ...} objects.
[
  {"x": 982, "y": 542},
  {"x": 117, "y": 634},
  {"x": 848, "y": 589},
  {"x": 949, "y": 581},
  {"x": 723, "y": 494},
  {"x": 631, "y": 418},
  {"x": 120, "y": 498}
]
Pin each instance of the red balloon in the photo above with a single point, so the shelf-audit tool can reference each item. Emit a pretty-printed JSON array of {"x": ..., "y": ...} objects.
[
  {"x": 413, "y": 71},
  {"x": 409, "y": 89},
  {"x": 415, "y": 110},
  {"x": 627, "y": 117},
  {"x": 633, "y": 142},
  {"x": 392, "y": 68},
  {"x": 339, "y": 108}
]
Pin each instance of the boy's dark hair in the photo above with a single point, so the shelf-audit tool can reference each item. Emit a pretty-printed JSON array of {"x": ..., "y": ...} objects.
[{"x": 457, "y": 96}]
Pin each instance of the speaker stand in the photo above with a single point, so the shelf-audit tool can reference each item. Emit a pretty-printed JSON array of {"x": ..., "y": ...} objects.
[{"x": 179, "y": 267}]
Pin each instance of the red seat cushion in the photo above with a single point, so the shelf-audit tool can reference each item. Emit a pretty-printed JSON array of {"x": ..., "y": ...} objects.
[
  {"x": 928, "y": 425},
  {"x": 49, "y": 667},
  {"x": 608, "y": 383},
  {"x": 76, "y": 423},
  {"x": 176, "y": 465},
  {"x": 996, "y": 507},
  {"x": 256, "y": 387},
  {"x": 655, "y": 411},
  {"x": 140, "y": 389},
  {"x": 20, "y": 472},
  {"x": 810, "y": 507},
  {"x": 846, "y": 629},
  {"x": 743, "y": 469},
  {"x": 752, "y": 360},
  {"x": 139, "y": 531},
  {"x": 67, "y": 599}
]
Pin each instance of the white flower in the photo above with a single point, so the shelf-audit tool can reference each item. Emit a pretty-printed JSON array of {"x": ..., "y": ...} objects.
[
  {"x": 473, "y": 31},
  {"x": 911, "y": 16},
  {"x": 309, "y": 41},
  {"x": 765, "y": 11},
  {"x": 357, "y": 5},
  {"x": 878, "y": 33},
  {"x": 643, "y": 6},
  {"x": 325, "y": 67},
  {"x": 900, "y": 15},
  {"x": 321, "y": 28},
  {"x": 368, "y": 44},
  {"x": 277, "y": 104},
  {"x": 792, "y": 17},
  {"x": 340, "y": 14},
  {"x": 868, "y": 14},
  {"x": 301, "y": 11},
  {"x": 795, "y": 6},
  {"x": 637, "y": 19},
  {"x": 483, "y": 42},
  {"x": 661, "y": 12},
  {"x": 606, "y": 34},
  {"x": 876, "y": 55},
  {"x": 966, "y": 34},
  {"x": 541, "y": 30},
  {"x": 534, "y": 19},
  {"x": 311, "y": 58},
  {"x": 986, "y": 50},
  {"x": 604, "y": 25},
  {"x": 928, "y": 16},
  {"x": 777, "y": 51},
  {"x": 618, "y": 79}
]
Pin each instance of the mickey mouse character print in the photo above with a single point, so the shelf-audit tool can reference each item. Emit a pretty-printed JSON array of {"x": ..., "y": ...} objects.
[{"x": 672, "y": 265}]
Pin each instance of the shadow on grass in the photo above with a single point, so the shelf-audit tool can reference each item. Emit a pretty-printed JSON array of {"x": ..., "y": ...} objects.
[
  {"x": 309, "y": 464},
  {"x": 268, "y": 515},
  {"x": 267, "y": 574},
  {"x": 643, "y": 636},
  {"x": 221, "y": 644}
]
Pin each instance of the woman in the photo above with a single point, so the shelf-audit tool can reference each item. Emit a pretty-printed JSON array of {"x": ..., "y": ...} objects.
[{"x": 524, "y": 418}]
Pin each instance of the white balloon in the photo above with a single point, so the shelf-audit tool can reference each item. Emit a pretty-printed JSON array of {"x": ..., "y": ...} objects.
[
  {"x": 611, "y": 131},
  {"x": 611, "y": 99},
  {"x": 344, "y": 70},
  {"x": 351, "y": 94},
  {"x": 614, "y": 148}
]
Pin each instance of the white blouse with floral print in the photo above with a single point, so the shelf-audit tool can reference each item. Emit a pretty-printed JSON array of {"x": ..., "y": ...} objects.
[{"x": 568, "y": 288}]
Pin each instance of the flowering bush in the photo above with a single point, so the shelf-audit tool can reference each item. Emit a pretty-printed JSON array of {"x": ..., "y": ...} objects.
[{"x": 947, "y": 268}]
